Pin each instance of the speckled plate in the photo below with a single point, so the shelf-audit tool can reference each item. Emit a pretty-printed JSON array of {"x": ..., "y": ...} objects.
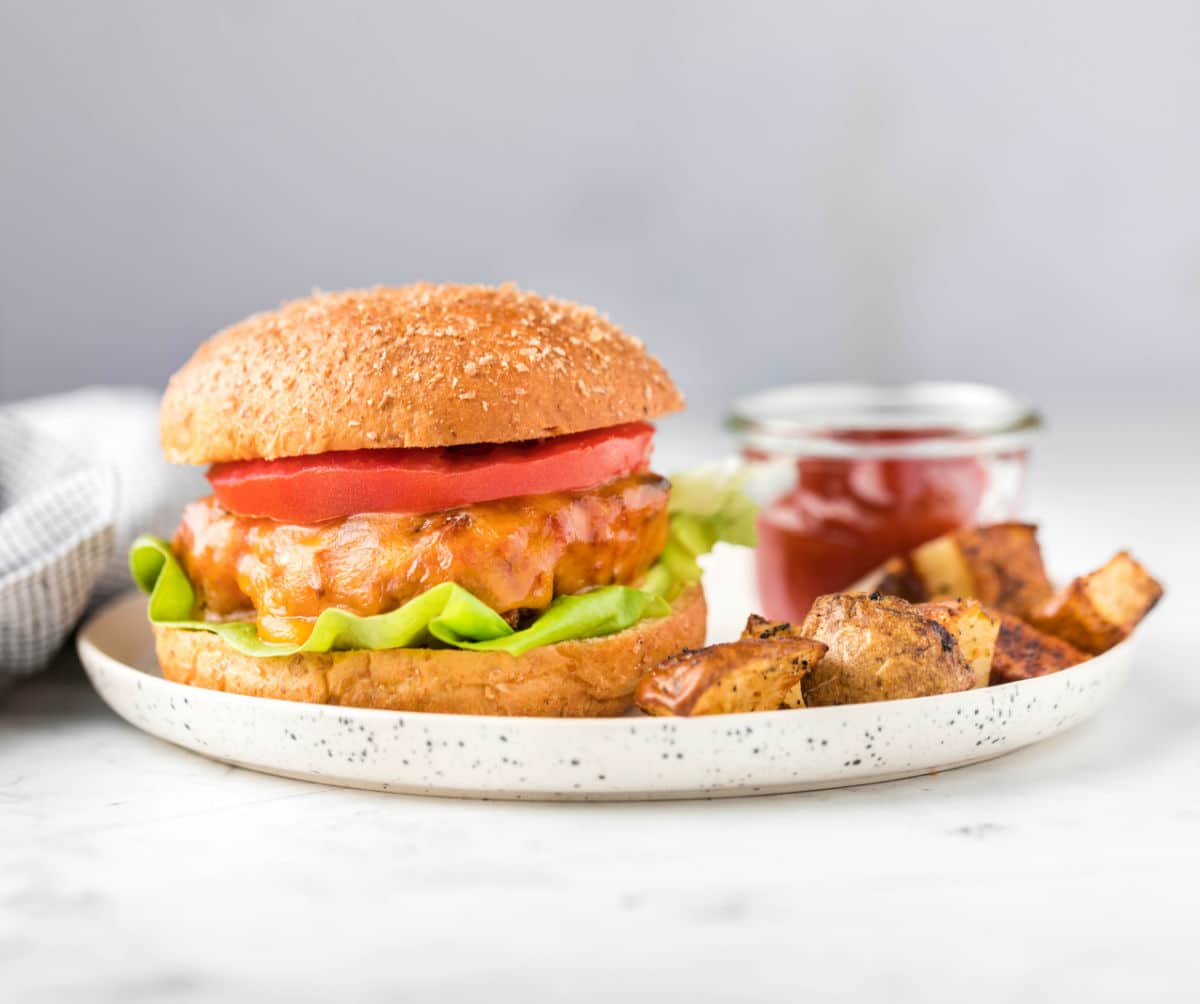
[{"x": 604, "y": 759}]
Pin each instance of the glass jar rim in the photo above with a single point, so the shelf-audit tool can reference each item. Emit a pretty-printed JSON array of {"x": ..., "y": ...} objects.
[{"x": 944, "y": 418}]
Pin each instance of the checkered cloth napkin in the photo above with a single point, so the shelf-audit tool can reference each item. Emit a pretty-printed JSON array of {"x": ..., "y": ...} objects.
[{"x": 80, "y": 476}]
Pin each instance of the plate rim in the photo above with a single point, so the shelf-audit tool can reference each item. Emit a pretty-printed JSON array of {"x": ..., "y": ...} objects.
[{"x": 525, "y": 758}]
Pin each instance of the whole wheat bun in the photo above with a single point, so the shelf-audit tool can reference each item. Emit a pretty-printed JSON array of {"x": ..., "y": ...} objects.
[
  {"x": 417, "y": 366},
  {"x": 572, "y": 679}
]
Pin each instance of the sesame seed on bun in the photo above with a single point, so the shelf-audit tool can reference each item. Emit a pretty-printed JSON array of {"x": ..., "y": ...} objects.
[{"x": 415, "y": 366}]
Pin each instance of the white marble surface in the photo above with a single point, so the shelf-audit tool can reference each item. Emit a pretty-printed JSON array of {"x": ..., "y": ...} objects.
[{"x": 131, "y": 870}]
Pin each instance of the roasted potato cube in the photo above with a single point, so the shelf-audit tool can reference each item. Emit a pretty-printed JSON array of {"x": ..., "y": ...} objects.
[
  {"x": 973, "y": 628},
  {"x": 760, "y": 629},
  {"x": 747, "y": 675},
  {"x": 940, "y": 566},
  {"x": 896, "y": 577},
  {"x": 764, "y": 630},
  {"x": 999, "y": 565},
  {"x": 1022, "y": 652},
  {"x": 1100, "y": 609},
  {"x": 881, "y": 648}
]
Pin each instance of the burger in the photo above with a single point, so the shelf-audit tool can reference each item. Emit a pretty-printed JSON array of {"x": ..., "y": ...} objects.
[{"x": 429, "y": 498}]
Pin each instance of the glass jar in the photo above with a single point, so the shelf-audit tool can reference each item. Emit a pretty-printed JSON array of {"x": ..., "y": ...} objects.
[{"x": 849, "y": 475}]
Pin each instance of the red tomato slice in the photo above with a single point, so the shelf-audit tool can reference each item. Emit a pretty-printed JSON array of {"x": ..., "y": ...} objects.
[{"x": 331, "y": 485}]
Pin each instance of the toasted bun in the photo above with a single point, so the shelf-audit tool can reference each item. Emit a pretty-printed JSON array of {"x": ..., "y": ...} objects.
[
  {"x": 571, "y": 679},
  {"x": 417, "y": 366}
]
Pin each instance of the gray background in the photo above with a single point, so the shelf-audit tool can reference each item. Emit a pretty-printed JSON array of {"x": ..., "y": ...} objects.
[{"x": 764, "y": 192}]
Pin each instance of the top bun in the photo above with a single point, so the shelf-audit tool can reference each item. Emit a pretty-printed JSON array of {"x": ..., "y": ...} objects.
[{"x": 417, "y": 366}]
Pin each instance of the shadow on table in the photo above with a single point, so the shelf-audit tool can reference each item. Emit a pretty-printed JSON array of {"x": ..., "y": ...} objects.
[{"x": 61, "y": 691}]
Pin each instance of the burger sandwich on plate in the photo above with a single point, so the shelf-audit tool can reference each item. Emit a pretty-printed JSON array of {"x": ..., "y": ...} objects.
[{"x": 430, "y": 498}]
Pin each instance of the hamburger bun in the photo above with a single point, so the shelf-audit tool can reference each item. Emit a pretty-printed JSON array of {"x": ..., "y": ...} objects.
[
  {"x": 417, "y": 366},
  {"x": 589, "y": 678}
]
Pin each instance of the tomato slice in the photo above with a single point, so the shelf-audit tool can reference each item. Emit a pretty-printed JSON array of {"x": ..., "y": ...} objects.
[{"x": 331, "y": 485}]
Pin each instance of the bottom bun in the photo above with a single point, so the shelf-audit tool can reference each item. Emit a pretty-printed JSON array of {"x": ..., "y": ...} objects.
[{"x": 572, "y": 679}]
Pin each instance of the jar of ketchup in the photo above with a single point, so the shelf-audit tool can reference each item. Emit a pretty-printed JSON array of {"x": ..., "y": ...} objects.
[{"x": 849, "y": 475}]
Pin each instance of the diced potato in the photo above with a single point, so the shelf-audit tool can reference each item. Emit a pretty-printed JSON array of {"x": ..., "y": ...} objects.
[
  {"x": 880, "y": 648},
  {"x": 1098, "y": 610},
  {"x": 760, "y": 629},
  {"x": 973, "y": 627},
  {"x": 1006, "y": 562},
  {"x": 896, "y": 577},
  {"x": 1022, "y": 652},
  {"x": 941, "y": 568},
  {"x": 1000, "y": 565},
  {"x": 764, "y": 630},
  {"x": 746, "y": 675}
]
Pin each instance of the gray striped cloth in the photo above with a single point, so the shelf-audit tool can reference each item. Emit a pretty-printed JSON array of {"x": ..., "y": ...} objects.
[{"x": 80, "y": 475}]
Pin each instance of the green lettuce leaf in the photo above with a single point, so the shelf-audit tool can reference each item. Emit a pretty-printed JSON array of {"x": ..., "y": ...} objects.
[
  {"x": 446, "y": 613},
  {"x": 707, "y": 505},
  {"x": 602, "y": 611},
  {"x": 714, "y": 496}
]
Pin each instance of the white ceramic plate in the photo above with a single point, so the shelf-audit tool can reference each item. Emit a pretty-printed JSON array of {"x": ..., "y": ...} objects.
[{"x": 600, "y": 759}]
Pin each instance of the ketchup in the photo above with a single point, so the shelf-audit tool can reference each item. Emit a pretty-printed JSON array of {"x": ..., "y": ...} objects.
[{"x": 846, "y": 516}]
